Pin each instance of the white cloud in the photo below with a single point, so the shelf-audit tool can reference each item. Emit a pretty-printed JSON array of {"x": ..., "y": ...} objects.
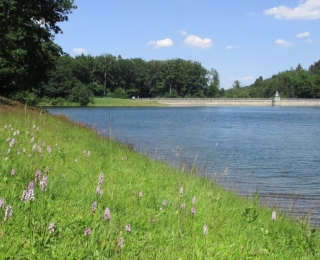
[
  {"x": 183, "y": 32},
  {"x": 309, "y": 10},
  {"x": 79, "y": 50},
  {"x": 195, "y": 41},
  {"x": 244, "y": 78},
  {"x": 247, "y": 78},
  {"x": 310, "y": 41},
  {"x": 301, "y": 35},
  {"x": 233, "y": 47},
  {"x": 283, "y": 43},
  {"x": 160, "y": 43}
]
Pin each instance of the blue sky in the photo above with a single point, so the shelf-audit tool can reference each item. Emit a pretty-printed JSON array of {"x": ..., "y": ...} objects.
[{"x": 240, "y": 39}]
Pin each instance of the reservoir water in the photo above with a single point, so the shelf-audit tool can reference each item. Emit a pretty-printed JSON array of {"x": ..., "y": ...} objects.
[{"x": 274, "y": 151}]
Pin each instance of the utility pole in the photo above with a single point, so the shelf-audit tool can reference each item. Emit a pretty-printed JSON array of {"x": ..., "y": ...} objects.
[{"x": 105, "y": 82}]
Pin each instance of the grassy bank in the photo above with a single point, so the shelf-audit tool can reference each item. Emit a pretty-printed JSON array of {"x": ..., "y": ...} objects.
[
  {"x": 111, "y": 102},
  {"x": 93, "y": 198}
]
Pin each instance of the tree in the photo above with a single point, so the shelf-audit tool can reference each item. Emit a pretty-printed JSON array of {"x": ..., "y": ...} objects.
[
  {"x": 236, "y": 84},
  {"x": 27, "y": 50}
]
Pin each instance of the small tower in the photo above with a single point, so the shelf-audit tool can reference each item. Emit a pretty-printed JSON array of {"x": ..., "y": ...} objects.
[{"x": 276, "y": 99}]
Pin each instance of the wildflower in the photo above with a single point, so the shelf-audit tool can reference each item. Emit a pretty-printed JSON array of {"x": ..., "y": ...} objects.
[
  {"x": 160, "y": 208},
  {"x": 18, "y": 132},
  {"x": 88, "y": 154},
  {"x": 120, "y": 244},
  {"x": 47, "y": 169},
  {"x": 13, "y": 172},
  {"x": 9, "y": 150},
  {"x": 205, "y": 230},
  {"x": 101, "y": 178},
  {"x": 24, "y": 197},
  {"x": 37, "y": 129},
  {"x": 12, "y": 142},
  {"x": 14, "y": 133},
  {"x": 1, "y": 203},
  {"x": 44, "y": 182},
  {"x": 5, "y": 127},
  {"x": 32, "y": 139},
  {"x": 43, "y": 143},
  {"x": 194, "y": 200},
  {"x": 182, "y": 205},
  {"x": 30, "y": 195},
  {"x": 274, "y": 215},
  {"x": 107, "y": 215},
  {"x": 51, "y": 228},
  {"x": 24, "y": 150},
  {"x": 31, "y": 185},
  {"x": 39, "y": 149},
  {"x": 8, "y": 139},
  {"x": 34, "y": 147},
  {"x": 76, "y": 160},
  {"x": 164, "y": 203},
  {"x": 87, "y": 231},
  {"x": 37, "y": 176},
  {"x": 181, "y": 191},
  {"x": 193, "y": 211},
  {"x": 128, "y": 228},
  {"x": 94, "y": 206},
  {"x": 98, "y": 190},
  {"x": 8, "y": 212},
  {"x": 48, "y": 149},
  {"x": 140, "y": 194}
]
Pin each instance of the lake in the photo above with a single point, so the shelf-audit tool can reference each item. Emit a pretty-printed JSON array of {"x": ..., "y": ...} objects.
[{"x": 274, "y": 151}]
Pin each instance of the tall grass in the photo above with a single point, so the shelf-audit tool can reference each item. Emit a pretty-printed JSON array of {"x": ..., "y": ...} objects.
[{"x": 102, "y": 200}]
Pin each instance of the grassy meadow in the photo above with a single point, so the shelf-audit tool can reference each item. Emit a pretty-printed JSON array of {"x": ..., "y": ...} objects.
[
  {"x": 110, "y": 102},
  {"x": 67, "y": 193}
]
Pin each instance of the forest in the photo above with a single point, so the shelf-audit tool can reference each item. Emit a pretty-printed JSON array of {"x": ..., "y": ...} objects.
[{"x": 80, "y": 78}]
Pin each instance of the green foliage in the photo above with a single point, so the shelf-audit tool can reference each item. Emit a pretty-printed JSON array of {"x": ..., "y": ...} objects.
[
  {"x": 294, "y": 83},
  {"x": 27, "y": 50},
  {"x": 81, "y": 94}
]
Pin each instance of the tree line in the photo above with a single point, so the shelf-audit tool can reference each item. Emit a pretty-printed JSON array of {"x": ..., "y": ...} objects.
[
  {"x": 34, "y": 68},
  {"x": 293, "y": 83}
]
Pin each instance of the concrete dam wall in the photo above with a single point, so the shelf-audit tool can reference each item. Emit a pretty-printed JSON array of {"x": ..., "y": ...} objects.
[{"x": 234, "y": 101}]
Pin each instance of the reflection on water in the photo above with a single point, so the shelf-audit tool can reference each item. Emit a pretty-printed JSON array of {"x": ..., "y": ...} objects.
[{"x": 272, "y": 150}]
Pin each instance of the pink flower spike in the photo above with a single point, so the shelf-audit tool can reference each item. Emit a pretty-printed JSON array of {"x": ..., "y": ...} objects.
[
  {"x": 51, "y": 228},
  {"x": 181, "y": 191},
  {"x": 205, "y": 230},
  {"x": 107, "y": 215},
  {"x": 128, "y": 228},
  {"x": 8, "y": 212},
  {"x": 120, "y": 244},
  {"x": 87, "y": 232},
  {"x": 94, "y": 207}
]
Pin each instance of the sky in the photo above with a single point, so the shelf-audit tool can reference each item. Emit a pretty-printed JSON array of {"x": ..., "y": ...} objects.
[{"x": 242, "y": 40}]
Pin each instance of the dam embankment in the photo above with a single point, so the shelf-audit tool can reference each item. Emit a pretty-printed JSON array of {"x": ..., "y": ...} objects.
[{"x": 235, "y": 101}]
